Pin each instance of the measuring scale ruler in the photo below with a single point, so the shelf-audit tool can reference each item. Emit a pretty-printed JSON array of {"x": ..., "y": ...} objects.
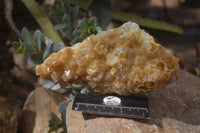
[{"x": 112, "y": 105}]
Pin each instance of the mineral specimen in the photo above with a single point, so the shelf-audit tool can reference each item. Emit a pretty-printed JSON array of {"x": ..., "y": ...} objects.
[{"x": 125, "y": 60}]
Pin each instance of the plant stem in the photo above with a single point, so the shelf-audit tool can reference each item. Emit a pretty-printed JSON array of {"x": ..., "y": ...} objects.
[
  {"x": 124, "y": 17},
  {"x": 42, "y": 19}
]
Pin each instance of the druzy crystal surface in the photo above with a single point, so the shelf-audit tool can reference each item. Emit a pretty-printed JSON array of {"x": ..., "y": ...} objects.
[{"x": 125, "y": 60}]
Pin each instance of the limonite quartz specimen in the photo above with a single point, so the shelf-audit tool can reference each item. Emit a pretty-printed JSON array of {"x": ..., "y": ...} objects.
[{"x": 125, "y": 60}]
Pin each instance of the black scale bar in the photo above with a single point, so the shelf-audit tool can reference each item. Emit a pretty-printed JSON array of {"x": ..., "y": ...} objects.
[{"x": 130, "y": 107}]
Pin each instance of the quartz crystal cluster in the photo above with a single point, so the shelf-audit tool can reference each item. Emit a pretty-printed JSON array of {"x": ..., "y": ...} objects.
[{"x": 125, "y": 60}]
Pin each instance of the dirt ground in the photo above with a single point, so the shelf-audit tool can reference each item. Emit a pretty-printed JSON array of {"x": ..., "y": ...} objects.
[{"x": 20, "y": 78}]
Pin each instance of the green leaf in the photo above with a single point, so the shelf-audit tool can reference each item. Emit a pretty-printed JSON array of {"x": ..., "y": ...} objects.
[
  {"x": 54, "y": 117},
  {"x": 35, "y": 60},
  {"x": 57, "y": 9},
  {"x": 76, "y": 33},
  {"x": 56, "y": 87},
  {"x": 26, "y": 36},
  {"x": 74, "y": 13},
  {"x": 102, "y": 10},
  {"x": 49, "y": 48},
  {"x": 52, "y": 47},
  {"x": 61, "y": 26},
  {"x": 48, "y": 84},
  {"x": 29, "y": 49},
  {"x": 69, "y": 34},
  {"x": 66, "y": 18},
  {"x": 98, "y": 29},
  {"x": 81, "y": 24},
  {"x": 67, "y": 5},
  {"x": 55, "y": 13},
  {"x": 54, "y": 128},
  {"x": 88, "y": 27},
  {"x": 76, "y": 40},
  {"x": 39, "y": 41},
  {"x": 58, "y": 46},
  {"x": 93, "y": 28},
  {"x": 19, "y": 48},
  {"x": 62, "y": 109},
  {"x": 58, "y": 6},
  {"x": 63, "y": 105},
  {"x": 55, "y": 123}
]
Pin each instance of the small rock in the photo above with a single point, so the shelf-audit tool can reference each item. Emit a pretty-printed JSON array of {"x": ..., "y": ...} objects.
[
  {"x": 37, "y": 109},
  {"x": 175, "y": 108}
]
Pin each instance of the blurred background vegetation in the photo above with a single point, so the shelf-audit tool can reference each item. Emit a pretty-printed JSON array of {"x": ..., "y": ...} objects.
[{"x": 51, "y": 25}]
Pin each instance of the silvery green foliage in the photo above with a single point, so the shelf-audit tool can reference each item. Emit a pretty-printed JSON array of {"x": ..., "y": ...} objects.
[
  {"x": 49, "y": 84},
  {"x": 66, "y": 17},
  {"x": 37, "y": 48}
]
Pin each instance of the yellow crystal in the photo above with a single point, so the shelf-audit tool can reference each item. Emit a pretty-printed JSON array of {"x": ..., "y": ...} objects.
[{"x": 125, "y": 60}]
